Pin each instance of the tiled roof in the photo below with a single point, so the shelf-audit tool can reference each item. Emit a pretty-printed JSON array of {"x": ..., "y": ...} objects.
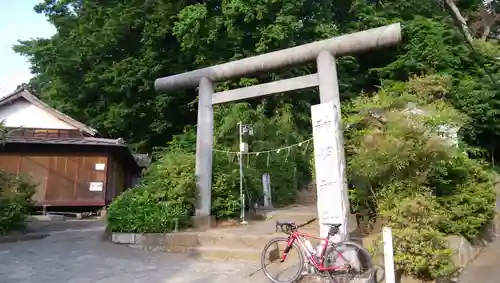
[{"x": 77, "y": 141}]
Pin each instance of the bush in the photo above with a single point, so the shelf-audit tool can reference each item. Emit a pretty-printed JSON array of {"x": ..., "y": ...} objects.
[
  {"x": 16, "y": 192},
  {"x": 419, "y": 249},
  {"x": 166, "y": 194},
  {"x": 167, "y": 190},
  {"x": 225, "y": 189},
  {"x": 465, "y": 190},
  {"x": 404, "y": 169},
  {"x": 422, "y": 253}
]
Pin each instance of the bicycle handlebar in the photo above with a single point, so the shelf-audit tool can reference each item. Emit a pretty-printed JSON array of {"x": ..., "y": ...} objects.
[
  {"x": 288, "y": 227},
  {"x": 307, "y": 223}
]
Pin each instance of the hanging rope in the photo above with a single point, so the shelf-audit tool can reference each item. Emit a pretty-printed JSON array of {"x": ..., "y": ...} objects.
[{"x": 276, "y": 150}]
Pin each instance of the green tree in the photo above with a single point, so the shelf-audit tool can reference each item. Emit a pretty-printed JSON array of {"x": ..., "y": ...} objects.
[{"x": 100, "y": 66}]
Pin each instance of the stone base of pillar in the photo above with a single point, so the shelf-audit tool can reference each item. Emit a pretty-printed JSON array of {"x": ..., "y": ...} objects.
[{"x": 203, "y": 222}]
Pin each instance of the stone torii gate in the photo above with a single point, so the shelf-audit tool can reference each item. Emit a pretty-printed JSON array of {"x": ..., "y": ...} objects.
[{"x": 324, "y": 52}]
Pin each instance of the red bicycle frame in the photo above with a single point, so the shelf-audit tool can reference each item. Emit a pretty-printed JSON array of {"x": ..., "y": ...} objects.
[{"x": 317, "y": 261}]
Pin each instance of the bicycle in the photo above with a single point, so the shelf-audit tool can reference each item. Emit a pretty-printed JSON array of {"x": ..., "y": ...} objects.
[{"x": 323, "y": 261}]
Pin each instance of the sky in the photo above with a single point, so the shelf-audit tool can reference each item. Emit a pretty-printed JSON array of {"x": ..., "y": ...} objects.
[{"x": 18, "y": 20}]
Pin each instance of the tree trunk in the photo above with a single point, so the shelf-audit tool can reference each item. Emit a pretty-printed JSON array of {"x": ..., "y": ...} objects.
[{"x": 457, "y": 17}]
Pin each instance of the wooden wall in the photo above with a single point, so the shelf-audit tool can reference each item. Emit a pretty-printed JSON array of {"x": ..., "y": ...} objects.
[
  {"x": 116, "y": 179},
  {"x": 63, "y": 180}
]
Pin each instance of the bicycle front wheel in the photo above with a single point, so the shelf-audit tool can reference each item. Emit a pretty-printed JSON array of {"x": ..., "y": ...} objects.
[{"x": 287, "y": 271}]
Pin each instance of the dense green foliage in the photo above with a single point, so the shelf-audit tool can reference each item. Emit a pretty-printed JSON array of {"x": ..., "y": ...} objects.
[
  {"x": 15, "y": 201},
  {"x": 289, "y": 169},
  {"x": 160, "y": 196},
  {"x": 100, "y": 66},
  {"x": 167, "y": 194},
  {"x": 404, "y": 169}
]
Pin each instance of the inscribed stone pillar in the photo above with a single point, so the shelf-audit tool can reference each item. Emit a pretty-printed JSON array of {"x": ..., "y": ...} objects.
[{"x": 333, "y": 201}]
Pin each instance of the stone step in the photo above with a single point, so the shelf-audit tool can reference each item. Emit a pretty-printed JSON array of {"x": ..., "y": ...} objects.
[
  {"x": 225, "y": 243},
  {"x": 207, "y": 245},
  {"x": 231, "y": 241},
  {"x": 308, "y": 201},
  {"x": 298, "y": 214},
  {"x": 228, "y": 241},
  {"x": 308, "y": 195},
  {"x": 224, "y": 253},
  {"x": 247, "y": 238}
]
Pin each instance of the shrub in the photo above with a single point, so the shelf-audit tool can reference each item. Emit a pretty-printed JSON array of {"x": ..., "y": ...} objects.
[
  {"x": 166, "y": 194},
  {"x": 420, "y": 250},
  {"x": 225, "y": 189},
  {"x": 170, "y": 176},
  {"x": 465, "y": 190},
  {"x": 422, "y": 253},
  {"x": 16, "y": 192},
  {"x": 405, "y": 171}
]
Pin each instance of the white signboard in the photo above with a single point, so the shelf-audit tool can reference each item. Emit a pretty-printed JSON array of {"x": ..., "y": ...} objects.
[
  {"x": 333, "y": 203},
  {"x": 244, "y": 147},
  {"x": 95, "y": 186},
  {"x": 100, "y": 166}
]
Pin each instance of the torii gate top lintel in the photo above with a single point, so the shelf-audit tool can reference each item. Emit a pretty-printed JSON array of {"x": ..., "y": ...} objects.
[{"x": 348, "y": 44}]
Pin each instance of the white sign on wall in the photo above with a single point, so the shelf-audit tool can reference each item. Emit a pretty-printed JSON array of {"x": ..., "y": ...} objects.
[
  {"x": 96, "y": 186},
  {"x": 333, "y": 205},
  {"x": 100, "y": 166}
]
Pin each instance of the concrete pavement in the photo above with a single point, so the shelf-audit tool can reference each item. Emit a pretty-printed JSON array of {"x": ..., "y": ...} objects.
[
  {"x": 486, "y": 267},
  {"x": 81, "y": 256},
  {"x": 76, "y": 253}
]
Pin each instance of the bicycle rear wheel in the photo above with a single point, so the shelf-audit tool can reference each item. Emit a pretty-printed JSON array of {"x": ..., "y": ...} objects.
[
  {"x": 353, "y": 255},
  {"x": 281, "y": 272}
]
